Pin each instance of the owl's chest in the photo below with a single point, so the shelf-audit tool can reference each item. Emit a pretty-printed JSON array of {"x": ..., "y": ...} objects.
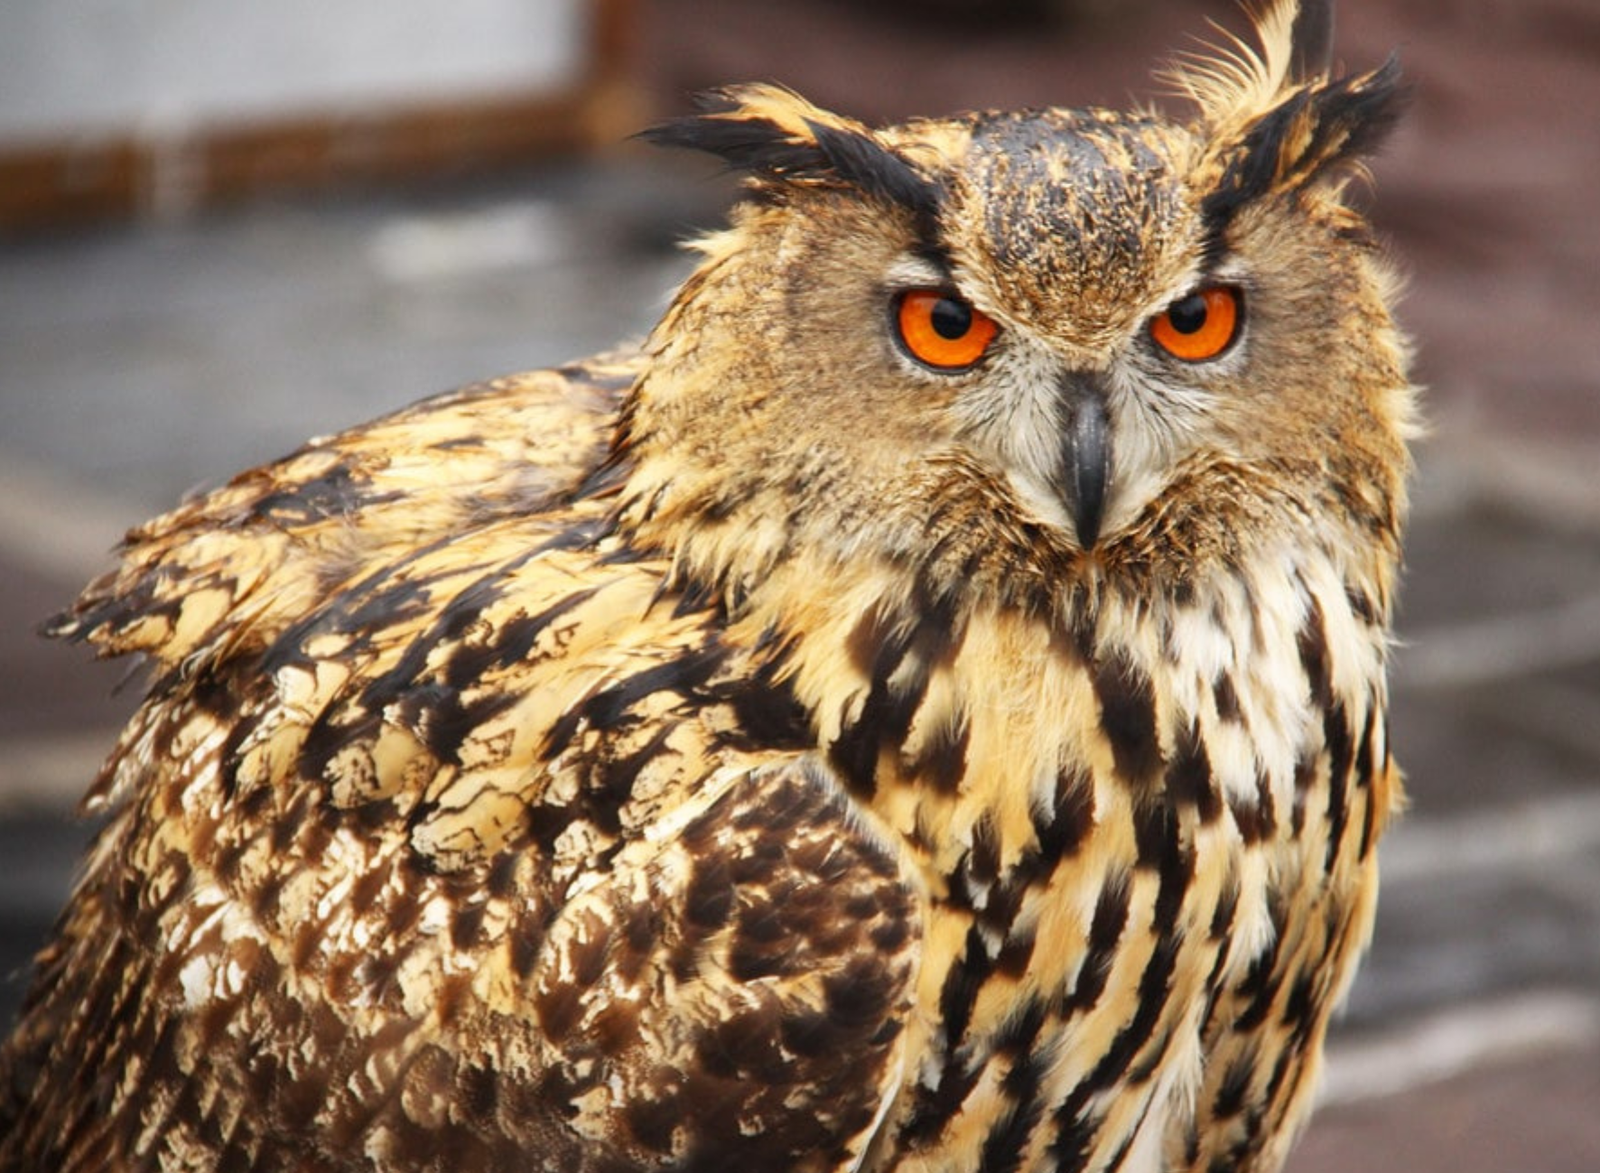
[
  {"x": 1110, "y": 831},
  {"x": 1002, "y": 746}
]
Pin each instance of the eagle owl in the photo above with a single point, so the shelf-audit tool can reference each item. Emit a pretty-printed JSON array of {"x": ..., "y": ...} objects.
[{"x": 923, "y": 709}]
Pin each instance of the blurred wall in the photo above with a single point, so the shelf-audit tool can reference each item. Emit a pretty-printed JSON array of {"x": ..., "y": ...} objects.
[
  {"x": 113, "y": 108},
  {"x": 71, "y": 67}
]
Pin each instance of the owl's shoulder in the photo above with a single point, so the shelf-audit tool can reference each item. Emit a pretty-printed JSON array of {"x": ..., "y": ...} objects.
[{"x": 245, "y": 560}]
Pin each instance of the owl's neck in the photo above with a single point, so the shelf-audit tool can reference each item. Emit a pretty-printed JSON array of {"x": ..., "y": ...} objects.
[
  {"x": 986, "y": 733},
  {"x": 955, "y": 657}
]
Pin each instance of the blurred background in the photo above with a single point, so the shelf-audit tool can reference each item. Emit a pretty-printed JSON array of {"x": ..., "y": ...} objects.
[{"x": 225, "y": 227}]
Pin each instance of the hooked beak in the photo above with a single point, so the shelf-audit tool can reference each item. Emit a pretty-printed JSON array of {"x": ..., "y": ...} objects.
[{"x": 1085, "y": 469}]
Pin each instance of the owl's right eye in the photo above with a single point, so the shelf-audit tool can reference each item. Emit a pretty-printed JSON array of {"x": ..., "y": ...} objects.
[{"x": 942, "y": 331}]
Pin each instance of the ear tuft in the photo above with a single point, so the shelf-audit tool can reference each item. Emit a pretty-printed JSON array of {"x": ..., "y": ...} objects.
[
  {"x": 780, "y": 139},
  {"x": 760, "y": 129},
  {"x": 1311, "y": 134}
]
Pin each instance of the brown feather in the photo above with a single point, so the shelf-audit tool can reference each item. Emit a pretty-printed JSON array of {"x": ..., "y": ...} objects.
[{"x": 729, "y": 754}]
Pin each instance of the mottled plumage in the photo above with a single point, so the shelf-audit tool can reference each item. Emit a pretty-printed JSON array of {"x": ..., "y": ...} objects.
[{"x": 822, "y": 739}]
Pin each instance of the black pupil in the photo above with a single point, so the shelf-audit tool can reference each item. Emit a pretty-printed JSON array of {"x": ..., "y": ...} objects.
[
  {"x": 1188, "y": 315},
  {"x": 951, "y": 318}
]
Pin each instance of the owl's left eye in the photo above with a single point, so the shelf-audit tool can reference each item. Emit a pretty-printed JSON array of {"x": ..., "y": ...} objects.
[
  {"x": 1199, "y": 326},
  {"x": 942, "y": 331}
]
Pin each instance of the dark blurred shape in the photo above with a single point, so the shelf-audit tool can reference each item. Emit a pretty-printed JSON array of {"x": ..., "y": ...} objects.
[{"x": 964, "y": 14}]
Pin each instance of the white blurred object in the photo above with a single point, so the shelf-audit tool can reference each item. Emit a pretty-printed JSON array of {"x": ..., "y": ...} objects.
[
  {"x": 95, "y": 67},
  {"x": 1457, "y": 1040},
  {"x": 511, "y": 235}
]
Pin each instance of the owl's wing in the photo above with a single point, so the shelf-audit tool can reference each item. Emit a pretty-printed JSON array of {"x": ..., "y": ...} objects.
[
  {"x": 487, "y": 850},
  {"x": 249, "y": 558},
  {"x": 229, "y": 571}
]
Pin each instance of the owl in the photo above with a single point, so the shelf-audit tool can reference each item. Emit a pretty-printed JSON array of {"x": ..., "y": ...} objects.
[{"x": 923, "y": 708}]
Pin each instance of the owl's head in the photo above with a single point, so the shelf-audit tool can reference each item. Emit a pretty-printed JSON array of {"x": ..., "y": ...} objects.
[{"x": 1066, "y": 340}]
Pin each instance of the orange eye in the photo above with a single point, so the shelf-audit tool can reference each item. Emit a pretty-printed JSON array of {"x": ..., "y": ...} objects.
[
  {"x": 942, "y": 331},
  {"x": 1199, "y": 326}
]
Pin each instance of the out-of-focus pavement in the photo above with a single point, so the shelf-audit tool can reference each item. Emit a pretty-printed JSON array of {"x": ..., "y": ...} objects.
[{"x": 138, "y": 363}]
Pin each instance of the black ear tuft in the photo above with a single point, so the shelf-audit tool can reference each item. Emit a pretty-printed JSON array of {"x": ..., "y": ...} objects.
[
  {"x": 778, "y": 139},
  {"x": 744, "y": 141},
  {"x": 864, "y": 163},
  {"x": 1307, "y": 136}
]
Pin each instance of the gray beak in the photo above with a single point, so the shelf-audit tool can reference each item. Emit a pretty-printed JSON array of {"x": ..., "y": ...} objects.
[{"x": 1085, "y": 453}]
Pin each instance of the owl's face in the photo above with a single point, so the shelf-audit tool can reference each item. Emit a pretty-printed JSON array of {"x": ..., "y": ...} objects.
[
  {"x": 1087, "y": 333},
  {"x": 1075, "y": 315}
]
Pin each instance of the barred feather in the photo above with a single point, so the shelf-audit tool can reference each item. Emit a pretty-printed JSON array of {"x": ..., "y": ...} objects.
[{"x": 733, "y": 752}]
